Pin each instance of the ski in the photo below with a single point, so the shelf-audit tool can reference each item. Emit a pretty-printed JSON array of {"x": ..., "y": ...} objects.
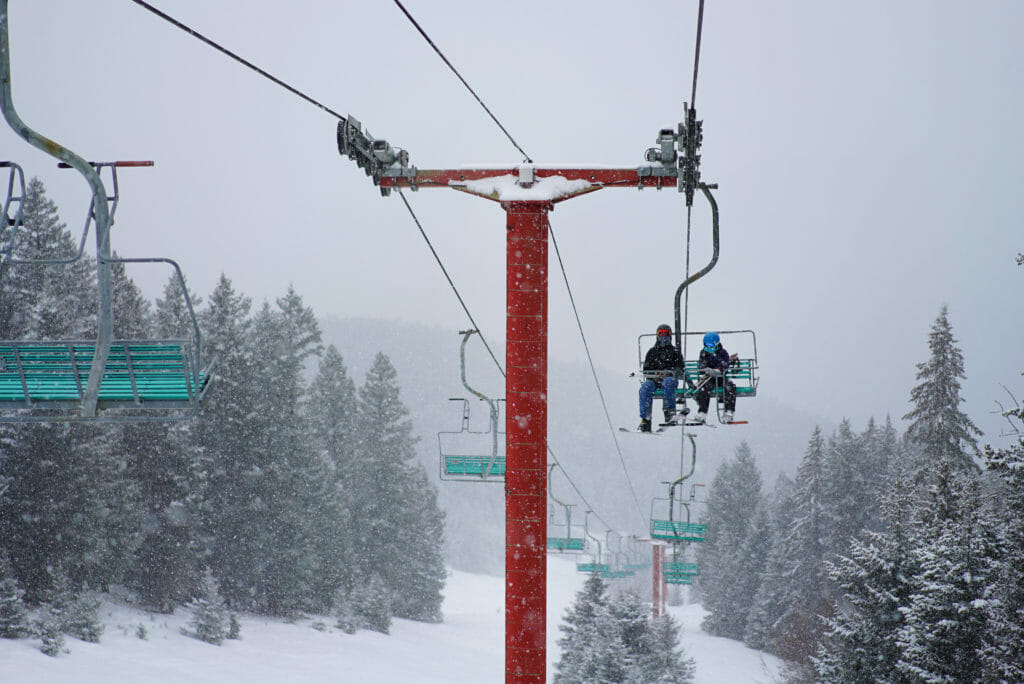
[
  {"x": 710, "y": 424},
  {"x": 634, "y": 431}
]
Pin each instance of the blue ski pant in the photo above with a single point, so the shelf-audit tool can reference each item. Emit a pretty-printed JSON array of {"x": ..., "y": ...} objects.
[{"x": 647, "y": 390}]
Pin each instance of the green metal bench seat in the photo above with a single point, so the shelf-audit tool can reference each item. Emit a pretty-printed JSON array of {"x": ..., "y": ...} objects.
[
  {"x": 138, "y": 374},
  {"x": 673, "y": 568},
  {"x": 678, "y": 579},
  {"x": 742, "y": 372},
  {"x": 592, "y": 567},
  {"x": 473, "y": 465},
  {"x": 675, "y": 530},
  {"x": 564, "y": 544}
]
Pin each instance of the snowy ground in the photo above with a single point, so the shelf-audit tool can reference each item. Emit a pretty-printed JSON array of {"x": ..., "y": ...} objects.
[{"x": 466, "y": 648}]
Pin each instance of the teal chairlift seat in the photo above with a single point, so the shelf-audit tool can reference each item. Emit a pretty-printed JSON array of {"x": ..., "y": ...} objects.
[{"x": 679, "y": 573}]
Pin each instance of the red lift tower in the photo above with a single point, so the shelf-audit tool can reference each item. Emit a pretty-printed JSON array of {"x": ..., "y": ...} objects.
[{"x": 527, "y": 193}]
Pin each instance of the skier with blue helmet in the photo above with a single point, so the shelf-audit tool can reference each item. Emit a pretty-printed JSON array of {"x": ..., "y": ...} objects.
[
  {"x": 662, "y": 364},
  {"x": 714, "y": 362}
]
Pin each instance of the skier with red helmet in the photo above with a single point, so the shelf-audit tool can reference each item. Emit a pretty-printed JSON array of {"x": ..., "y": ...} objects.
[{"x": 662, "y": 365}]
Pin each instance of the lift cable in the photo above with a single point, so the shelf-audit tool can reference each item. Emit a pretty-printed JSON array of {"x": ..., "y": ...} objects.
[
  {"x": 593, "y": 371},
  {"x": 689, "y": 208},
  {"x": 456, "y": 72},
  {"x": 235, "y": 57},
  {"x": 696, "y": 53}
]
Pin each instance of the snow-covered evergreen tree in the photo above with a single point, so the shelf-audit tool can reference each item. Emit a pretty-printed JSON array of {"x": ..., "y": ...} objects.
[
  {"x": 1002, "y": 654},
  {"x": 290, "y": 472},
  {"x": 38, "y": 301},
  {"x": 768, "y": 603},
  {"x": 591, "y": 647},
  {"x": 937, "y": 424},
  {"x": 394, "y": 505},
  {"x": 612, "y": 639},
  {"x": 852, "y": 488},
  {"x": 48, "y": 627},
  {"x": 230, "y": 417},
  {"x": 371, "y": 599},
  {"x": 210, "y": 618},
  {"x": 666, "y": 662},
  {"x": 942, "y": 637},
  {"x": 805, "y": 592},
  {"x": 14, "y": 620},
  {"x": 67, "y": 505},
  {"x": 875, "y": 582},
  {"x": 332, "y": 418},
  {"x": 726, "y": 565},
  {"x": 82, "y": 617}
]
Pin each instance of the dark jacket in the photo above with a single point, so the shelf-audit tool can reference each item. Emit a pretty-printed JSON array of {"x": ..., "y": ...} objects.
[
  {"x": 719, "y": 360},
  {"x": 663, "y": 358}
]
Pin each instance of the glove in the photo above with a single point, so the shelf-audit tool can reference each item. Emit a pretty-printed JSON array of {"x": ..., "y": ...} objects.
[{"x": 713, "y": 372}]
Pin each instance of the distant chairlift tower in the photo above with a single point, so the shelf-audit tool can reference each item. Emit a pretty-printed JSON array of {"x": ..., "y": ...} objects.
[{"x": 527, "y": 193}]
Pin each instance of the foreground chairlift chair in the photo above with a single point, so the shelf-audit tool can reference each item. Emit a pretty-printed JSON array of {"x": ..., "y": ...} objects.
[
  {"x": 461, "y": 460},
  {"x": 94, "y": 380},
  {"x": 80, "y": 380},
  {"x": 742, "y": 344}
]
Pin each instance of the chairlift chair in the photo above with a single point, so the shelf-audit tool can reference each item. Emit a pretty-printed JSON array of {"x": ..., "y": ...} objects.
[
  {"x": 461, "y": 459},
  {"x": 741, "y": 344},
  {"x": 49, "y": 380},
  {"x": 79, "y": 380}
]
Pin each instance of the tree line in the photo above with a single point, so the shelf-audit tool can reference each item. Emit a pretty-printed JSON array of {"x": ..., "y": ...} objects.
[
  {"x": 889, "y": 557},
  {"x": 293, "y": 495}
]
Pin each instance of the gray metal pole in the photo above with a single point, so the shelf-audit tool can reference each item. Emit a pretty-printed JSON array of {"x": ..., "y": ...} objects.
[{"x": 99, "y": 208}]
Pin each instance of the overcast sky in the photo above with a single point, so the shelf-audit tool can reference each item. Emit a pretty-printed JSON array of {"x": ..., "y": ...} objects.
[{"x": 868, "y": 156}]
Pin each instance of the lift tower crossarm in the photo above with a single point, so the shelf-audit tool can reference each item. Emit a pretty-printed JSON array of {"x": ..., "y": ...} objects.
[{"x": 527, "y": 193}]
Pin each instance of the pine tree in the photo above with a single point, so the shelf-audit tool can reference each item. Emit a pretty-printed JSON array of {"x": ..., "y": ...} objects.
[
  {"x": 39, "y": 301},
  {"x": 48, "y": 627},
  {"x": 665, "y": 661},
  {"x": 769, "y": 605},
  {"x": 733, "y": 500},
  {"x": 222, "y": 431},
  {"x": 291, "y": 472},
  {"x": 937, "y": 424},
  {"x": 592, "y": 649},
  {"x": 14, "y": 621},
  {"x": 393, "y": 503},
  {"x": 854, "y": 475},
  {"x": 331, "y": 415},
  {"x": 173, "y": 318},
  {"x": 1002, "y": 655},
  {"x": 210, "y": 618},
  {"x": 82, "y": 617},
  {"x": 875, "y": 580},
  {"x": 371, "y": 600},
  {"x": 68, "y": 505},
  {"x": 943, "y": 632},
  {"x": 806, "y": 592}
]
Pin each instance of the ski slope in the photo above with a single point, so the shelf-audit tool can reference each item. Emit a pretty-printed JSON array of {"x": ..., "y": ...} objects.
[{"x": 467, "y": 647}]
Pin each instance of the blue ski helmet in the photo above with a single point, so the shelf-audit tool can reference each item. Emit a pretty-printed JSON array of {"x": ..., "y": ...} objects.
[{"x": 711, "y": 341}]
